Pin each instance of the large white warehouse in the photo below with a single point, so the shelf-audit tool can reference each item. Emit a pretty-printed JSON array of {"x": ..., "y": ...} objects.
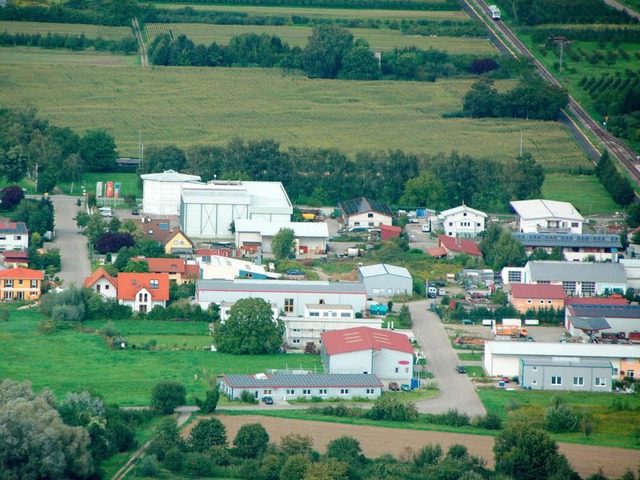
[
  {"x": 208, "y": 210},
  {"x": 161, "y": 191}
]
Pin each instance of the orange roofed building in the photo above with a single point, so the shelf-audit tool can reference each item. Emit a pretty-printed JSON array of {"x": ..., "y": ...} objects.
[
  {"x": 21, "y": 284},
  {"x": 143, "y": 291},
  {"x": 535, "y": 296},
  {"x": 101, "y": 282}
]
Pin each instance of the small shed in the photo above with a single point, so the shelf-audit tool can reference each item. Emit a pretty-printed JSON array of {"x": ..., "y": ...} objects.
[{"x": 383, "y": 280}]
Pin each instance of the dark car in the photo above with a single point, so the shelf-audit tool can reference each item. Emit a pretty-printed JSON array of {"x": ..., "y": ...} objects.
[
  {"x": 461, "y": 369},
  {"x": 267, "y": 400},
  {"x": 295, "y": 272},
  {"x": 468, "y": 321},
  {"x": 135, "y": 211},
  {"x": 394, "y": 387}
]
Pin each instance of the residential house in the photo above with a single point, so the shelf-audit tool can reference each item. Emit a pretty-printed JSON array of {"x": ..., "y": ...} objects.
[
  {"x": 143, "y": 291},
  {"x": 384, "y": 280},
  {"x": 574, "y": 246},
  {"x": 101, "y": 282},
  {"x": 569, "y": 375},
  {"x": 20, "y": 284},
  {"x": 579, "y": 279},
  {"x": 310, "y": 237},
  {"x": 455, "y": 246},
  {"x": 176, "y": 268},
  {"x": 525, "y": 297},
  {"x": 286, "y": 386},
  {"x": 362, "y": 212},
  {"x": 15, "y": 258},
  {"x": 384, "y": 353},
  {"x": 547, "y": 216},
  {"x": 462, "y": 221},
  {"x": 14, "y": 236},
  {"x": 167, "y": 233}
]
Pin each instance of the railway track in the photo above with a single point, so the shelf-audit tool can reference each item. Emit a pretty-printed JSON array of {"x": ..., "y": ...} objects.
[{"x": 619, "y": 150}]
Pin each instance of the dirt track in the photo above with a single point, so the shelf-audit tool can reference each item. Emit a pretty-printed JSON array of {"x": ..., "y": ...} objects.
[{"x": 376, "y": 441}]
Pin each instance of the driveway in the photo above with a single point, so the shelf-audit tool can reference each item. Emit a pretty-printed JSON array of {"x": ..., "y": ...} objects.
[
  {"x": 74, "y": 253},
  {"x": 456, "y": 390}
]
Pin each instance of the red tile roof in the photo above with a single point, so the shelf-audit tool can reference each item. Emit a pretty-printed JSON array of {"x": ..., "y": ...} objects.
[
  {"x": 129, "y": 284},
  {"x": 164, "y": 265},
  {"x": 15, "y": 255},
  {"x": 595, "y": 301},
  {"x": 97, "y": 275},
  {"x": 22, "y": 273},
  {"x": 437, "y": 252},
  {"x": 364, "y": 338},
  {"x": 459, "y": 245},
  {"x": 538, "y": 291},
  {"x": 192, "y": 270}
]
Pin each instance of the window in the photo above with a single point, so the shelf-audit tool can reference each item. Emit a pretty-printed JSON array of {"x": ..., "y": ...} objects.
[
  {"x": 534, "y": 369},
  {"x": 575, "y": 224},
  {"x": 8, "y": 295},
  {"x": 153, "y": 284},
  {"x": 344, "y": 391},
  {"x": 514, "y": 276},
  {"x": 288, "y": 305},
  {"x": 534, "y": 382},
  {"x": 306, "y": 391},
  {"x": 266, "y": 392},
  {"x": 406, "y": 369},
  {"x": 479, "y": 224},
  {"x": 20, "y": 282},
  {"x": 33, "y": 284},
  {"x": 578, "y": 381},
  {"x": 143, "y": 309},
  {"x": 18, "y": 237},
  {"x": 8, "y": 283},
  {"x": 397, "y": 370},
  {"x": 631, "y": 374},
  {"x": 291, "y": 391},
  {"x": 529, "y": 301},
  {"x": 601, "y": 382},
  {"x": 569, "y": 287},
  {"x": 550, "y": 302},
  {"x": 296, "y": 340},
  {"x": 20, "y": 295},
  {"x": 588, "y": 289},
  {"x": 322, "y": 391},
  {"x": 345, "y": 314},
  {"x": 370, "y": 391},
  {"x": 369, "y": 215},
  {"x": 334, "y": 314},
  {"x": 314, "y": 314},
  {"x": 451, "y": 224},
  {"x": 556, "y": 380},
  {"x": 542, "y": 302},
  {"x": 295, "y": 329}
]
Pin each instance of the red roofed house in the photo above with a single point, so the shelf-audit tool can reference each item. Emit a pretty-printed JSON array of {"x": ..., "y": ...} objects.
[
  {"x": 101, "y": 282},
  {"x": 16, "y": 258},
  {"x": 458, "y": 246},
  {"x": 174, "y": 267},
  {"x": 534, "y": 296},
  {"x": 20, "y": 284},
  {"x": 143, "y": 291},
  {"x": 385, "y": 353}
]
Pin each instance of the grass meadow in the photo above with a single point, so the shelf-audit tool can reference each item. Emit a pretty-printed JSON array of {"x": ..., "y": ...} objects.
[
  {"x": 30, "y": 56},
  {"x": 585, "y": 192},
  {"x": 382, "y": 39},
  {"x": 129, "y": 182},
  {"x": 189, "y": 106},
  {"x": 90, "y": 31},
  {"x": 72, "y": 360}
]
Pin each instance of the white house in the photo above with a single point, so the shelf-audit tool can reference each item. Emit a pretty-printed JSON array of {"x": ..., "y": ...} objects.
[
  {"x": 575, "y": 247},
  {"x": 208, "y": 211},
  {"x": 387, "y": 354},
  {"x": 290, "y": 296},
  {"x": 14, "y": 236},
  {"x": 101, "y": 282},
  {"x": 384, "y": 280},
  {"x": 161, "y": 191},
  {"x": 460, "y": 221},
  {"x": 503, "y": 358},
  {"x": 319, "y": 318},
  {"x": 287, "y": 386},
  {"x": 579, "y": 279},
  {"x": 362, "y": 212},
  {"x": 143, "y": 291},
  {"x": 311, "y": 237},
  {"x": 547, "y": 216}
]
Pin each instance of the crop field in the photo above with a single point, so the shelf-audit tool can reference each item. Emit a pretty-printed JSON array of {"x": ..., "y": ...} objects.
[
  {"x": 42, "y": 56},
  {"x": 90, "y": 31},
  {"x": 189, "y": 106},
  {"x": 74, "y": 361},
  {"x": 382, "y": 39},
  {"x": 585, "y": 192},
  {"x": 331, "y": 13}
]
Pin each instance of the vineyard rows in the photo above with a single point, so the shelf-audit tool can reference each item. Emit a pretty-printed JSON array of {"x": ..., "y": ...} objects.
[{"x": 90, "y": 31}]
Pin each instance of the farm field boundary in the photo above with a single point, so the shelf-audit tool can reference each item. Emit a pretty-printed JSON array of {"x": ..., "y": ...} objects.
[
  {"x": 90, "y": 31},
  {"x": 33, "y": 56}
]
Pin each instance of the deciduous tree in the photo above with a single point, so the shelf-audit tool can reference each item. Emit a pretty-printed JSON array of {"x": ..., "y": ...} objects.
[
  {"x": 251, "y": 441},
  {"x": 325, "y": 50},
  {"x": 98, "y": 150},
  {"x": 283, "y": 244},
  {"x": 168, "y": 395},
  {"x": 206, "y": 434}
]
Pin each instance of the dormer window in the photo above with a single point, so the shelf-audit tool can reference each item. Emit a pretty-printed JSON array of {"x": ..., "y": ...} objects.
[{"x": 153, "y": 284}]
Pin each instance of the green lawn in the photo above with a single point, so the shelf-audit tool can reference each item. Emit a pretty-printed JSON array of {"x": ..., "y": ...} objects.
[
  {"x": 215, "y": 105},
  {"x": 379, "y": 39},
  {"x": 470, "y": 356},
  {"x": 585, "y": 192},
  {"x": 129, "y": 183},
  {"x": 27, "y": 57},
  {"x": 74, "y": 361},
  {"x": 475, "y": 371}
]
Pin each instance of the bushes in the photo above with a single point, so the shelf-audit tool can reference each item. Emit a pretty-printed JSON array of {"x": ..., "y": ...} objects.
[
  {"x": 166, "y": 396},
  {"x": 560, "y": 417},
  {"x": 389, "y": 408},
  {"x": 452, "y": 418}
]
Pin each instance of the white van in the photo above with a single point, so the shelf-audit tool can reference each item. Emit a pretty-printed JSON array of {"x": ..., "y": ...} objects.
[
  {"x": 106, "y": 211},
  {"x": 426, "y": 227}
]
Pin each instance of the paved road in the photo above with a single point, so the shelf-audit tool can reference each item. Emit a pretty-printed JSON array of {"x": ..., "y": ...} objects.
[
  {"x": 456, "y": 390},
  {"x": 73, "y": 246}
]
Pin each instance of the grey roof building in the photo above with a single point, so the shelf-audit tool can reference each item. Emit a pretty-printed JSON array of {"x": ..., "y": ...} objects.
[
  {"x": 550, "y": 271},
  {"x": 386, "y": 280},
  {"x": 547, "y": 374},
  {"x": 610, "y": 319},
  {"x": 362, "y": 204},
  {"x": 574, "y": 246}
]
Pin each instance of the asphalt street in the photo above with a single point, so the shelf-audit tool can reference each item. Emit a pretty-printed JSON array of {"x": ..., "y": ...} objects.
[
  {"x": 456, "y": 390},
  {"x": 74, "y": 253}
]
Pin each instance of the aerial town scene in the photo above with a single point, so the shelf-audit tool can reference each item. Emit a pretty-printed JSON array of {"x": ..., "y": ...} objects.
[{"x": 320, "y": 239}]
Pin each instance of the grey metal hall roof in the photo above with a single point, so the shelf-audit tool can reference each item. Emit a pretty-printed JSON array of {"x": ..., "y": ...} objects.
[
  {"x": 283, "y": 380},
  {"x": 567, "y": 240},
  {"x": 592, "y": 323},
  {"x": 547, "y": 270},
  {"x": 362, "y": 204},
  {"x": 252, "y": 285},
  {"x": 610, "y": 311}
]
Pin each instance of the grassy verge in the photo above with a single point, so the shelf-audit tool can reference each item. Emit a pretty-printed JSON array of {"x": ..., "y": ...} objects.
[
  {"x": 129, "y": 182},
  {"x": 585, "y": 192},
  {"x": 475, "y": 371},
  {"x": 470, "y": 356}
]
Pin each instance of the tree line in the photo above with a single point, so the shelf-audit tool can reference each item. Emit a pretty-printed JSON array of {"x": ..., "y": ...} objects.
[
  {"x": 446, "y": 5},
  {"x": 530, "y": 12},
  {"x": 126, "y": 45},
  {"x": 94, "y": 12},
  {"x": 616, "y": 184}
]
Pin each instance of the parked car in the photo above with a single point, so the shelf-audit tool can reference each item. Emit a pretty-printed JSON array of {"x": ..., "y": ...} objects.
[
  {"x": 135, "y": 211},
  {"x": 461, "y": 369},
  {"x": 405, "y": 388},
  {"x": 394, "y": 387},
  {"x": 358, "y": 229},
  {"x": 267, "y": 400},
  {"x": 468, "y": 321},
  {"x": 294, "y": 272},
  {"x": 505, "y": 379}
]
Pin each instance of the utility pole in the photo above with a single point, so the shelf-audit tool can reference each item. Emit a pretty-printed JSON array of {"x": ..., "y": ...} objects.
[
  {"x": 520, "y": 143},
  {"x": 36, "y": 177}
]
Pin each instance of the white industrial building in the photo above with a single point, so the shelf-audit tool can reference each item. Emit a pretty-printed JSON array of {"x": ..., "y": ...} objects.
[
  {"x": 251, "y": 234},
  {"x": 384, "y": 280},
  {"x": 579, "y": 279},
  {"x": 290, "y": 296},
  {"x": 575, "y": 247},
  {"x": 503, "y": 357},
  {"x": 217, "y": 267},
  {"x": 319, "y": 318},
  {"x": 286, "y": 386},
  {"x": 619, "y": 319},
  {"x": 632, "y": 271},
  {"x": 207, "y": 211},
  {"x": 460, "y": 221},
  {"x": 161, "y": 191},
  {"x": 547, "y": 216},
  {"x": 384, "y": 353},
  {"x": 225, "y": 311}
]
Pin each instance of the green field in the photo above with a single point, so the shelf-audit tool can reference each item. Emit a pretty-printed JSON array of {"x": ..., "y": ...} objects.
[
  {"x": 90, "y": 31},
  {"x": 74, "y": 361},
  {"x": 332, "y": 13},
  {"x": 129, "y": 182},
  {"x": 41, "y": 56},
  {"x": 189, "y": 106},
  {"x": 382, "y": 39},
  {"x": 585, "y": 192}
]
